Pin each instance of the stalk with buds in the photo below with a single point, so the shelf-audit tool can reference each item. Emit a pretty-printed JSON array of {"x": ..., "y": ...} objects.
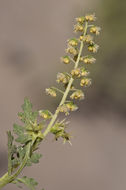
[{"x": 22, "y": 149}]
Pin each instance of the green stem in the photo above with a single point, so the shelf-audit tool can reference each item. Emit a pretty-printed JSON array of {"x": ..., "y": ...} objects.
[
  {"x": 58, "y": 90},
  {"x": 68, "y": 86},
  {"x": 5, "y": 179}
]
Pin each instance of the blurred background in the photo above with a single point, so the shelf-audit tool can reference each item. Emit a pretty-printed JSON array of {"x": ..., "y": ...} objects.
[{"x": 33, "y": 37}]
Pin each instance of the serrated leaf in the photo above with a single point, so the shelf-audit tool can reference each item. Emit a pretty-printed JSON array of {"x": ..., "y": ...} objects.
[
  {"x": 35, "y": 157},
  {"x": 29, "y": 182},
  {"x": 18, "y": 130},
  {"x": 23, "y": 139},
  {"x": 28, "y": 116}
]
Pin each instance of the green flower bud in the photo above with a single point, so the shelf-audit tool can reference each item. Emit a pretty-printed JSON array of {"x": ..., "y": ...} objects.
[
  {"x": 84, "y": 72},
  {"x": 85, "y": 82},
  {"x": 78, "y": 94},
  {"x": 78, "y": 28},
  {"x": 95, "y": 30},
  {"x": 93, "y": 48},
  {"x": 51, "y": 92},
  {"x": 61, "y": 77},
  {"x": 76, "y": 72},
  {"x": 64, "y": 109},
  {"x": 88, "y": 59},
  {"x": 65, "y": 59},
  {"x": 90, "y": 17},
  {"x": 80, "y": 20},
  {"x": 73, "y": 42},
  {"x": 88, "y": 39},
  {"x": 71, "y": 106},
  {"x": 72, "y": 50},
  {"x": 45, "y": 114}
]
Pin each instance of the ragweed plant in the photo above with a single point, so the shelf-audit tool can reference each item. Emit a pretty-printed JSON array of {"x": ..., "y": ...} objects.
[{"x": 22, "y": 148}]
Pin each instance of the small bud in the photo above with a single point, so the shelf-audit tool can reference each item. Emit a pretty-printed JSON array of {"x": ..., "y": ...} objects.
[
  {"x": 65, "y": 59},
  {"x": 51, "y": 92},
  {"x": 93, "y": 48},
  {"x": 84, "y": 72},
  {"x": 80, "y": 20},
  {"x": 90, "y": 17},
  {"x": 78, "y": 28},
  {"x": 88, "y": 59},
  {"x": 76, "y": 72},
  {"x": 71, "y": 106},
  {"x": 64, "y": 109},
  {"x": 78, "y": 94},
  {"x": 61, "y": 77},
  {"x": 72, "y": 50},
  {"x": 95, "y": 30},
  {"x": 88, "y": 39},
  {"x": 45, "y": 114},
  {"x": 81, "y": 38},
  {"x": 85, "y": 82},
  {"x": 73, "y": 42}
]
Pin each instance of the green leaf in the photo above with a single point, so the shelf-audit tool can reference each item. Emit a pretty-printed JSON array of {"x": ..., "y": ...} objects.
[
  {"x": 18, "y": 130},
  {"x": 23, "y": 139},
  {"x": 28, "y": 116},
  {"x": 35, "y": 157},
  {"x": 29, "y": 182}
]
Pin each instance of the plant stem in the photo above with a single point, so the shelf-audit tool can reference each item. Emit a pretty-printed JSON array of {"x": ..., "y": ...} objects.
[
  {"x": 8, "y": 177},
  {"x": 68, "y": 86},
  {"x": 5, "y": 179}
]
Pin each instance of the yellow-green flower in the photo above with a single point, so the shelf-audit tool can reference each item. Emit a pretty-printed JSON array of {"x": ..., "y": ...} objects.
[
  {"x": 71, "y": 106},
  {"x": 45, "y": 114},
  {"x": 51, "y": 92},
  {"x": 80, "y": 20},
  {"x": 76, "y": 72},
  {"x": 64, "y": 109},
  {"x": 84, "y": 72},
  {"x": 85, "y": 82},
  {"x": 95, "y": 30},
  {"x": 88, "y": 59},
  {"x": 88, "y": 39},
  {"x": 93, "y": 48},
  {"x": 65, "y": 59},
  {"x": 78, "y": 94},
  {"x": 72, "y": 50},
  {"x": 73, "y": 42},
  {"x": 78, "y": 28},
  {"x": 90, "y": 17},
  {"x": 61, "y": 77}
]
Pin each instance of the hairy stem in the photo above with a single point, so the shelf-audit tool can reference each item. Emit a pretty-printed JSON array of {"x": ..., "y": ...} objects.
[{"x": 68, "y": 86}]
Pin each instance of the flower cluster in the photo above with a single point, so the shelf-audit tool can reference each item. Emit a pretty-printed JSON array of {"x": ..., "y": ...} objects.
[
  {"x": 78, "y": 94},
  {"x": 51, "y": 92},
  {"x": 67, "y": 107},
  {"x": 86, "y": 30},
  {"x": 45, "y": 114},
  {"x": 62, "y": 78},
  {"x": 59, "y": 131},
  {"x": 88, "y": 59}
]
